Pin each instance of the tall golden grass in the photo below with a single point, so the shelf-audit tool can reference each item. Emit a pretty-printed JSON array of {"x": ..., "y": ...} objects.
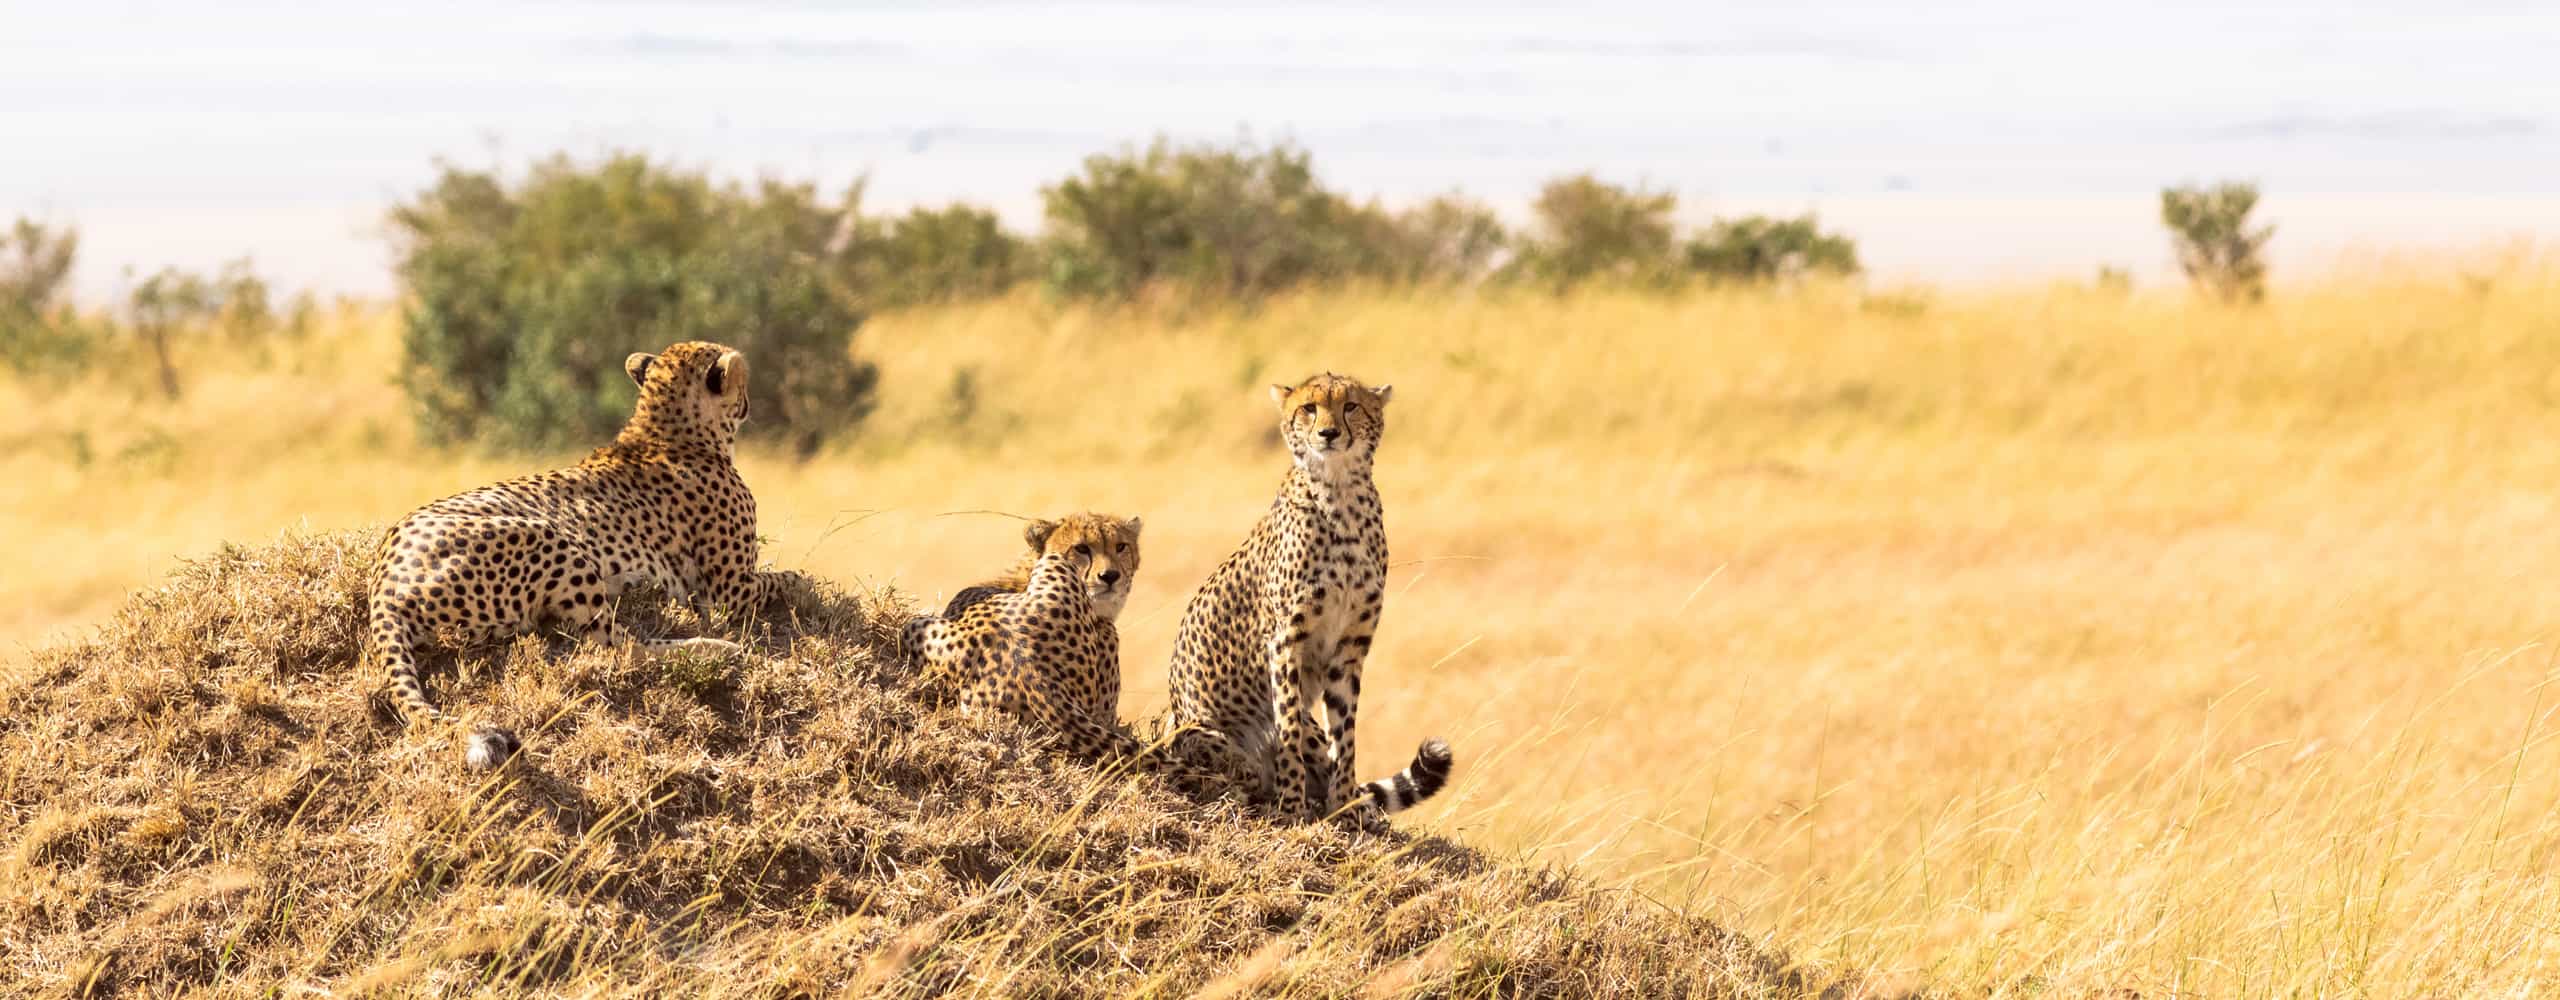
[{"x": 2005, "y": 641}]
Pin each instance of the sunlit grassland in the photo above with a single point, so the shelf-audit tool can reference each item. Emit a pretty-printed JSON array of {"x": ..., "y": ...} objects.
[{"x": 1992, "y": 640}]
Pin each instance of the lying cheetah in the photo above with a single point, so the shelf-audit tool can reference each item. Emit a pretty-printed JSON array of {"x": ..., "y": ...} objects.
[
  {"x": 1050, "y": 653},
  {"x": 1118, "y": 536},
  {"x": 1287, "y": 619},
  {"x": 663, "y": 504}
]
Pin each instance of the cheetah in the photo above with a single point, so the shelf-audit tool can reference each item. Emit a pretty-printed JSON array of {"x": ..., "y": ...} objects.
[
  {"x": 1118, "y": 535},
  {"x": 661, "y": 505},
  {"x": 1050, "y": 653},
  {"x": 1288, "y": 619}
]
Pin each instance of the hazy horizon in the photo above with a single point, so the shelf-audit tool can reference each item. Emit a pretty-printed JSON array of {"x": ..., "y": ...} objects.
[{"x": 1996, "y": 141}]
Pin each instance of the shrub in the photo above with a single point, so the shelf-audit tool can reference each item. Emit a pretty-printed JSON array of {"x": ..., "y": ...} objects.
[
  {"x": 1590, "y": 229},
  {"x": 1447, "y": 240},
  {"x": 525, "y": 299},
  {"x": 37, "y": 327},
  {"x": 1759, "y": 248},
  {"x": 1239, "y": 222},
  {"x": 2209, "y": 227},
  {"x": 934, "y": 255}
]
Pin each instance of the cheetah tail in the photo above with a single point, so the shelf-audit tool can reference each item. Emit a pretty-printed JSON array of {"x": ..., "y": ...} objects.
[{"x": 1420, "y": 780}]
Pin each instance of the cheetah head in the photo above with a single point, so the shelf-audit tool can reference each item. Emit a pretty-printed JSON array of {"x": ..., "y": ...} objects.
[
  {"x": 1332, "y": 423},
  {"x": 695, "y": 386},
  {"x": 1102, "y": 548}
]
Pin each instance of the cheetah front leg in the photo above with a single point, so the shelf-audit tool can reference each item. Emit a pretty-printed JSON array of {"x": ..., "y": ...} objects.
[
  {"x": 1341, "y": 709},
  {"x": 1299, "y": 743},
  {"x": 585, "y": 602}
]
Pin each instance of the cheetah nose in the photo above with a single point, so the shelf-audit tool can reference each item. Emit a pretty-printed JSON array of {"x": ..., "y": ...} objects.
[
  {"x": 1329, "y": 433},
  {"x": 1110, "y": 576}
]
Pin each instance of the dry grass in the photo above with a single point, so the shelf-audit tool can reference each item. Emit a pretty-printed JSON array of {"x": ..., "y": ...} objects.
[
  {"x": 205, "y": 797},
  {"x": 2033, "y": 642}
]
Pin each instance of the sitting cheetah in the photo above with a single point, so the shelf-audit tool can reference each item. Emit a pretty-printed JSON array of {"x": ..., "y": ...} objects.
[
  {"x": 663, "y": 504},
  {"x": 1288, "y": 618},
  {"x": 1051, "y": 653},
  {"x": 1117, "y": 536}
]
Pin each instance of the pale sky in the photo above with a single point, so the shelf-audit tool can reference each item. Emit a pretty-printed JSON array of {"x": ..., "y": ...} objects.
[{"x": 1958, "y": 142}]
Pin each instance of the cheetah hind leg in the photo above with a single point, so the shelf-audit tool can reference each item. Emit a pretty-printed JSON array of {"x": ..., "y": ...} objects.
[
  {"x": 1207, "y": 764},
  {"x": 395, "y": 644}
]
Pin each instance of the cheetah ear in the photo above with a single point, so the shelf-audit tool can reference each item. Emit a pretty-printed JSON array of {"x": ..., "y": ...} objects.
[
  {"x": 1384, "y": 393},
  {"x": 726, "y": 372},
  {"x": 637, "y": 366},
  {"x": 1038, "y": 534},
  {"x": 1280, "y": 396},
  {"x": 1134, "y": 525}
]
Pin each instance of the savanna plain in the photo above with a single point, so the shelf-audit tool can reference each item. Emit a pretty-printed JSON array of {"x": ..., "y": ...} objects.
[{"x": 2028, "y": 641}]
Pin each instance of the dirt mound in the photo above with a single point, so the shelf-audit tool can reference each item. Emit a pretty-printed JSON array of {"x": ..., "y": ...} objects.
[{"x": 209, "y": 794}]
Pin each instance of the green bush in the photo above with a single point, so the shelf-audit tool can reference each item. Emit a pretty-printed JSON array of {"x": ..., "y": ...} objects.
[
  {"x": 931, "y": 255},
  {"x": 2209, "y": 227},
  {"x": 1236, "y": 222},
  {"x": 1759, "y": 248},
  {"x": 1588, "y": 229},
  {"x": 524, "y": 299}
]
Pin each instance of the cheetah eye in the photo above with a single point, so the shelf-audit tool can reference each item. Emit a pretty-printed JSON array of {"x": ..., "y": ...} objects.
[
  {"x": 1123, "y": 549},
  {"x": 1350, "y": 407},
  {"x": 1309, "y": 409},
  {"x": 1084, "y": 550}
]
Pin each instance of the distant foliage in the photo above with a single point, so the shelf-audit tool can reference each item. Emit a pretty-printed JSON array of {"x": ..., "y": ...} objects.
[
  {"x": 35, "y": 266},
  {"x": 934, "y": 255},
  {"x": 1235, "y": 222},
  {"x": 526, "y": 298},
  {"x": 1590, "y": 230},
  {"x": 234, "y": 304},
  {"x": 37, "y": 327},
  {"x": 1450, "y": 239},
  {"x": 2220, "y": 252},
  {"x": 1759, "y": 248}
]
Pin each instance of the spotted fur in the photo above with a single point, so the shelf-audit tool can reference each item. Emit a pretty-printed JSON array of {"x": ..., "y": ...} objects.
[
  {"x": 661, "y": 505},
  {"x": 1287, "y": 620},
  {"x": 1050, "y": 653}
]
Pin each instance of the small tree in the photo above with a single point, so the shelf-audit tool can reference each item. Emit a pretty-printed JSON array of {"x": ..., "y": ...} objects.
[
  {"x": 1588, "y": 228},
  {"x": 1759, "y": 248},
  {"x": 234, "y": 303},
  {"x": 159, "y": 306},
  {"x": 2209, "y": 227}
]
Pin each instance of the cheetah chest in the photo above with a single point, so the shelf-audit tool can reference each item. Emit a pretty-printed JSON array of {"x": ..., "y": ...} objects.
[{"x": 1343, "y": 587}]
